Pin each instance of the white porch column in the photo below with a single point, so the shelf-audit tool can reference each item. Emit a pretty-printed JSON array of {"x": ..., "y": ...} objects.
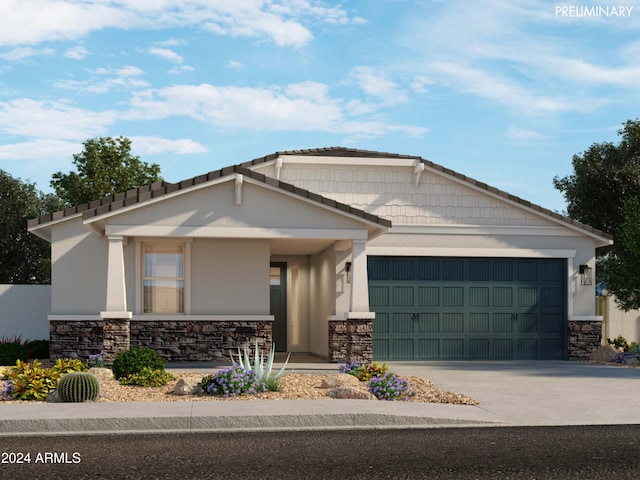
[
  {"x": 116, "y": 287},
  {"x": 359, "y": 281}
]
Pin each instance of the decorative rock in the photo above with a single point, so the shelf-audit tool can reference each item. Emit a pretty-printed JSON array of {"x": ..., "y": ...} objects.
[
  {"x": 101, "y": 373},
  {"x": 340, "y": 380},
  {"x": 605, "y": 353},
  {"x": 188, "y": 386},
  {"x": 53, "y": 397},
  {"x": 351, "y": 393}
]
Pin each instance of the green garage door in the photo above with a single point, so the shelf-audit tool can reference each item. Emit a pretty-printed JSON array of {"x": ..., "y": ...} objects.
[{"x": 430, "y": 308}]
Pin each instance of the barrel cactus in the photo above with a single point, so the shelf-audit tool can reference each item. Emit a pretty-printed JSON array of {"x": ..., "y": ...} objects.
[{"x": 78, "y": 387}]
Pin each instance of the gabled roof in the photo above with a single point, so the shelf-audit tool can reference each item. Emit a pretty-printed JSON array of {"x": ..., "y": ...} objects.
[
  {"x": 138, "y": 195},
  {"x": 357, "y": 153},
  {"x": 155, "y": 190}
]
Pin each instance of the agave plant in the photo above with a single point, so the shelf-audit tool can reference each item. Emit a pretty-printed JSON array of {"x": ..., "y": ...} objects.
[{"x": 263, "y": 370}]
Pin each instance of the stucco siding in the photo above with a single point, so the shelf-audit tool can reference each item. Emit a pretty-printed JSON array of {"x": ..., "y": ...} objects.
[
  {"x": 323, "y": 294},
  {"x": 214, "y": 206},
  {"x": 78, "y": 271},
  {"x": 229, "y": 277}
]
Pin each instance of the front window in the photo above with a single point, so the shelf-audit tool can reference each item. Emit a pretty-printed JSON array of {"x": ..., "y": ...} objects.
[{"x": 164, "y": 279}]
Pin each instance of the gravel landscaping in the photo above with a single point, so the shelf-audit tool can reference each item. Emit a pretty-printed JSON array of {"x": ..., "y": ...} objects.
[{"x": 293, "y": 386}]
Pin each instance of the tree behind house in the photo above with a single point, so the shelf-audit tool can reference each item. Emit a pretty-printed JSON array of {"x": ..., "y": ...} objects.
[
  {"x": 24, "y": 258},
  {"x": 105, "y": 167}
]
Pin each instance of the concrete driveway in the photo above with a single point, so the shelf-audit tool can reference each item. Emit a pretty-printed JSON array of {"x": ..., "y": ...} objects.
[{"x": 540, "y": 392}]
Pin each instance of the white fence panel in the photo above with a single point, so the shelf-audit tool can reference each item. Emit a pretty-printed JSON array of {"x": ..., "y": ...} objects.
[{"x": 24, "y": 310}]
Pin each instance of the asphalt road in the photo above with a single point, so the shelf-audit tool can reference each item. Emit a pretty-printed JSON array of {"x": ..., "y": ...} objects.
[{"x": 581, "y": 452}]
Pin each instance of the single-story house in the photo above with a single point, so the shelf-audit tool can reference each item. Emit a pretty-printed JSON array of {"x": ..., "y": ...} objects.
[{"x": 339, "y": 252}]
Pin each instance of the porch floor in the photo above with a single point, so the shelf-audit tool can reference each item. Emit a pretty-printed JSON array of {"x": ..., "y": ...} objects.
[{"x": 298, "y": 362}]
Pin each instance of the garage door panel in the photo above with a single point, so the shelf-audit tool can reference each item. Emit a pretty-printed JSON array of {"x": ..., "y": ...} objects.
[
  {"x": 428, "y": 270},
  {"x": 527, "y": 297},
  {"x": 453, "y": 349},
  {"x": 403, "y": 297},
  {"x": 429, "y": 296},
  {"x": 480, "y": 270},
  {"x": 528, "y": 323},
  {"x": 527, "y": 348},
  {"x": 402, "y": 323},
  {"x": 502, "y": 297},
  {"x": 453, "y": 323},
  {"x": 462, "y": 308},
  {"x": 379, "y": 296},
  {"x": 502, "y": 348},
  {"x": 551, "y": 323},
  {"x": 502, "y": 323},
  {"x": 453, "y": 296},
  {"x": 478, "y": 296},
  {"x": 381, "y": 348},
  {"x": 428, "y": 349},
  {"x": 403, "y": 269},
  {"x": 551, "y": 297},
  {"x": 478, "y": 323},
  {"x": 502, "y": 271},
  {"x": 428, "y": 323},
  {"x": 402, "y": 349},
  {"x": 479, "y": 349},
  {"x": 453, "y": 270},
  {"x": 381, "y": 323}
]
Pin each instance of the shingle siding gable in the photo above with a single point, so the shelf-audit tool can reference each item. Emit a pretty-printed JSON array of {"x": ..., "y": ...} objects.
[{"x": 390, "y": 192}]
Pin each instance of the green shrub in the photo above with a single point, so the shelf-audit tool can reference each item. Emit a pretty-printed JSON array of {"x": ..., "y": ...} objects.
[
  {"x": 78, "y": 387},
  {"x": 133, "y": 361},
  {"x": 37, "y": 349},
  {"x": 148, "y": 378},
  {"x": 364, "y": 371},
  {"x": 620, "y": 343},
  {"x": 11, "y": 352},
  {"x": 29, "y": 381}
]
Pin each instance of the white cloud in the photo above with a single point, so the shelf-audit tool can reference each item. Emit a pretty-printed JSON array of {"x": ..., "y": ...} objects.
[
  {"x": 167, "y": 54},
  {"x": 22, "y": 53},
  {"x": 283, "y": 21},
  {"x": 235, "y": 65},
  {"x": 41, "y": 148},
  {"x": 51, "y": 120},
  {"x": 104, "y": 80},
  {"x": 534, "y": 66},
  {"x": 304, "y": 106},
  {"x": 375, "y": 83},
  {"x": 142, "y": 145},
  {"x": 180, "y": 69},
  {"x": 517, "y": 133},
  {"x": 76, "y": 53}
]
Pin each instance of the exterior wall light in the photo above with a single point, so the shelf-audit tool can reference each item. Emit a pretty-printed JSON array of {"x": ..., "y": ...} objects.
[
  {"x": 347, "y": 268},
  {"x": 586, "y": 277}
]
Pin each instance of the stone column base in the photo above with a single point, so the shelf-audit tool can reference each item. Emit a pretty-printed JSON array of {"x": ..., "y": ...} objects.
[
  {"x": 116, "y": 337},
  {"x": 585, "y": 336},
  {"x": 351, "y": 340}
]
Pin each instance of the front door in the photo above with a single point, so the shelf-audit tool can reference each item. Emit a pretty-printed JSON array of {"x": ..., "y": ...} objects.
[{"x": 278, "y": 292}]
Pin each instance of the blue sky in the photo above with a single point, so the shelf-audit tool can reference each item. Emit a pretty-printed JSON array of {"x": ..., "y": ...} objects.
[{"x": 499, "y": 90}]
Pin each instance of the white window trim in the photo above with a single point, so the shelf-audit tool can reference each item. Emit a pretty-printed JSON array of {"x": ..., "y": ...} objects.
[{"x": 140, "y": 272}]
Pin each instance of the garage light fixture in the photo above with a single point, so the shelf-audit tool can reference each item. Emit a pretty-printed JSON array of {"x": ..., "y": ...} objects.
[{"x": 585, "y": 275}]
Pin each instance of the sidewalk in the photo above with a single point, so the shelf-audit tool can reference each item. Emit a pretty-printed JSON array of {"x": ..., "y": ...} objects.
[{"x": 510, "y": 393}]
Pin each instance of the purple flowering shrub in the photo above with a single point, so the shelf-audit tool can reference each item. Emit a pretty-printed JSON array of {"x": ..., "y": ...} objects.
[
  {"x": 390, "y": 387},
  {"x": 625, "y": 358},
  {"x": 232, "y": 382}
]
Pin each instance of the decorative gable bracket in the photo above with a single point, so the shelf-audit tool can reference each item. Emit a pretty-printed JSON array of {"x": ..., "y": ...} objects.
[
  {"x": 239, "y": 182},
  {"x": 418, "y": 168}
]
